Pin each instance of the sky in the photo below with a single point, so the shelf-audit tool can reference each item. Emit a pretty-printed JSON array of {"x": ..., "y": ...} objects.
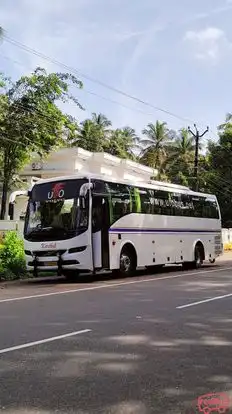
[{"x": 172, "y": 54}]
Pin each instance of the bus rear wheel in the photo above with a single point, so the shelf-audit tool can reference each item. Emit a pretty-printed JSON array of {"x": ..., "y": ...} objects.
[{"x": 198, "y": 259}]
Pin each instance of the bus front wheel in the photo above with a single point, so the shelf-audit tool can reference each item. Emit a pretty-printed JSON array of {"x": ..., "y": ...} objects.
[{"x": 127, "y": 262}]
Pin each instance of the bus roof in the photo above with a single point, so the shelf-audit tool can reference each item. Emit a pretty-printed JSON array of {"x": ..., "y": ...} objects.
[{"x": 152, "y": 184}]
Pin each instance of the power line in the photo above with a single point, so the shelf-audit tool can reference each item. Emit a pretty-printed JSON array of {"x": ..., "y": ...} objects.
[
  {"x": 33, "y": 51},
  {"x": 84, "y": 90},
  {"x": 91, "y": 79},
  {"x": 228, "y": 183}
]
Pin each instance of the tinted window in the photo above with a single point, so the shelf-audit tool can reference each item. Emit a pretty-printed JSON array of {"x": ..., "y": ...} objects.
[
  {"x": 141, "y": 200},
  {"x": 120, "y": 200},
  {"x": 129, "y": 199},
  {"x": 163, "y": 203},
  {"x": 99, "y": 187}
]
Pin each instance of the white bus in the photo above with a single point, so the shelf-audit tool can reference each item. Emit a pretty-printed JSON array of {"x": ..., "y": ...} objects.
[{"x": 88, "y": 223}]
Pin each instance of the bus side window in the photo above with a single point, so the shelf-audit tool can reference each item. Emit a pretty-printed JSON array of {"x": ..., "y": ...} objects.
[
  {"x": 198, "y": 203},
  {"x": 146, "y": 201},
  {"x": 142, "y": 200},
  {"x": 135, "y": 199},
  {"x": 163, "y": 203},
  {"x": 210, "y": 209},
  {"x": 187, "y": 208},
  {"x": 120, "y": 201}
]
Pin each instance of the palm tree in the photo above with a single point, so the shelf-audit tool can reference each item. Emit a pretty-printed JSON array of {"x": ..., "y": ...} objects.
[
  {"x": 87, "y": 137},
  {"x": 155, "y": 144},
  {"x": 101, "y": 120},
  {"x": 121, "y": 142},
  {"x": 227, "y": 124},
  {"x": 179, "y": 163},
  {"x": 102, "y": 124},
  {"x": 183, "y": 146}
]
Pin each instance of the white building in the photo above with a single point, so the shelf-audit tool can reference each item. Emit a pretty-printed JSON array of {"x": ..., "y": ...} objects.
[{"x": 68, "y": 161}]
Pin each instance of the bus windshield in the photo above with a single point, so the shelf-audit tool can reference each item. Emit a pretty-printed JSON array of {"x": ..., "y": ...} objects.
[{"x": 53, "y": 214}]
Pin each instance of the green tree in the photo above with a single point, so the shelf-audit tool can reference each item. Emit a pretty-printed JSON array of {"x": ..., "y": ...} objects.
[
  {"x": 102, "y": 131},
  {"x": 93, "y": 134},
  {"x": 86, "y": 137},
  {"x": 101, "y": 121},
  {"x": 155, "y": 145},
  {"x": 30, "y": 120},
  {"x": 122, "y": 142},
  {"x": 218, "y": 171},
  {"x": 180, "y": 159}
]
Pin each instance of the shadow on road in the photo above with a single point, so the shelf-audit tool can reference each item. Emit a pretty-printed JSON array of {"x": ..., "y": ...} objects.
[
  {"x": 161, "y": 371},
  {"x": 104, "y": 276}
]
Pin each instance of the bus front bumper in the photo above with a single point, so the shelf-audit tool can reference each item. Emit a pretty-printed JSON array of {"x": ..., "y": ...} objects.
[{"x": 57, "y": 263}]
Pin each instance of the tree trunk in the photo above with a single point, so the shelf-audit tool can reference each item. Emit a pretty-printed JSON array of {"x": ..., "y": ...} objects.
[{"x": 4, "y": 198}]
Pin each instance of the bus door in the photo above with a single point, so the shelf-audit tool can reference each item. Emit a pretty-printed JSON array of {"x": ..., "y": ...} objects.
[{"x": 100, "y": 227}]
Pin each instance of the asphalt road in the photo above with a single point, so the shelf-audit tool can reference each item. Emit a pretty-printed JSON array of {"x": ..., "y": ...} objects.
[{"x": 131, "y": 346}]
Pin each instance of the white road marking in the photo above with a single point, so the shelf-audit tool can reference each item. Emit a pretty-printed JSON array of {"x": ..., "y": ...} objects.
[
  {"x": 204, "y": 301},
  {"x": 112, "y": 285},
  {"x": 42, "y": 341}
]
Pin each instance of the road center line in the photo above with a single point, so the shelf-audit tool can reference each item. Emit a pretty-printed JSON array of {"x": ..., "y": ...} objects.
[
  {"x": 43, "y": 341},
  {"x": 113, "y": 285},
  {"x": 204, "y": 301}
]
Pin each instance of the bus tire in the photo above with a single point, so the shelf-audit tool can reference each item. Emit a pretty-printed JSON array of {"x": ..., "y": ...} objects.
[
  {"x": 127, "y": 261},
  {"x": 198, "y": 258}
]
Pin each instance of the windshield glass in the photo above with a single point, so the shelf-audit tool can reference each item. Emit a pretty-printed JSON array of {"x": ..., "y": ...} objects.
[{"x": 53, "y": 214}]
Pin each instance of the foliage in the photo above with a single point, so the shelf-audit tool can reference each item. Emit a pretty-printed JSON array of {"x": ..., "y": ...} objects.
[
  {"x": 154, "y": 145},
  {"x": 121, "y": 143},
  {"x": 180, "y": 158},
  {"x": 12, "y": 259},
  {"x": 218, "y": 174},
  {"x": 31, "y": 121},
  {"x": 95, "y": 135},
  {"x": 92, "y": 134}
]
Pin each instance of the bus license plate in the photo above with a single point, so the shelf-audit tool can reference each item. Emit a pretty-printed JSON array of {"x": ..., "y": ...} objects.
[{"x": 50, "y": 264}]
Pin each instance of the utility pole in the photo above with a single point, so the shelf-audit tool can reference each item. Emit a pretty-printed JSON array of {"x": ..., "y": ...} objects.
[{"x": 197, "y": 137}]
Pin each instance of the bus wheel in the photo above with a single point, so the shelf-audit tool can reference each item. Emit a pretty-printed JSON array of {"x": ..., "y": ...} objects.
[
  {"x": 127, "y": 261},
  {"x": 198, "y": 261},
  {"x": 199, "y": 257}
]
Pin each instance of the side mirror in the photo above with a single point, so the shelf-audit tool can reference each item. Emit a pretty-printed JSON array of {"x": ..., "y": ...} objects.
[{"x": 11, "y": 211}]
